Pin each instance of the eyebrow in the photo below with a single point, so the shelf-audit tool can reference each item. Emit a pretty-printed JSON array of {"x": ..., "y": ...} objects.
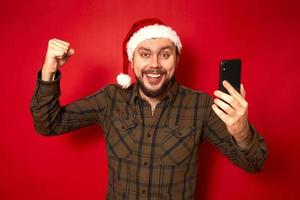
[{"x": 161, "y": 49}]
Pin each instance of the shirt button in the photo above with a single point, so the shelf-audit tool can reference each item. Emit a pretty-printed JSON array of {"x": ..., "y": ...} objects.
[
  {"x": 145, "y": 163},
  {"x": 143, "y": 191},
  {"x": 148, "y": 135}
]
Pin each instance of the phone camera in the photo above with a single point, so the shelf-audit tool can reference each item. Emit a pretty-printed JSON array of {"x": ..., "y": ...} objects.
[{"x": 224, "y": 67}]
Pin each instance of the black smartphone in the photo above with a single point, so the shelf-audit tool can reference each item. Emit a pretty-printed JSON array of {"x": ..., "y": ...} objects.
[{"x": 230, "y": 70}]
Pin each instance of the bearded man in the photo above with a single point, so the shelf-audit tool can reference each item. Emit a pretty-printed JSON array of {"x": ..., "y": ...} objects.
[{"x": 153, "y": 128}]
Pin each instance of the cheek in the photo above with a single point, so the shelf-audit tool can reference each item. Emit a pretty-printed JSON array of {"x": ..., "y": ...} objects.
[
  {"x": 171, "y": 72},
  {"x": 137, "y": 69},
  {"x": 170, "y": 67},
  {"x": 139, "y": 64},
  {"x": 137, "y": 72}
]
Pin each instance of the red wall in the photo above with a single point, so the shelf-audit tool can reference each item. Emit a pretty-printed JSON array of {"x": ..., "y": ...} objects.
[{"x": 265, "y": 34}]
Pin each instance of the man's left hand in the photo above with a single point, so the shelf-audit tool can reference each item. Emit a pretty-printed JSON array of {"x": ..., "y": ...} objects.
[{"x": 232, "y": 108}]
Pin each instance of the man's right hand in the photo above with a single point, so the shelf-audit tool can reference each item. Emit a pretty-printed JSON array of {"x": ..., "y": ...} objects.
[{"x": 58, "y": 53}]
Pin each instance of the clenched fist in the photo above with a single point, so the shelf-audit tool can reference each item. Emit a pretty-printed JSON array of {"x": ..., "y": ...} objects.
[{"x": 57, "y": 55}]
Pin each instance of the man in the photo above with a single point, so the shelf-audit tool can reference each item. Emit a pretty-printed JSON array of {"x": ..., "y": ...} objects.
[{"x": 153, "y": 128}]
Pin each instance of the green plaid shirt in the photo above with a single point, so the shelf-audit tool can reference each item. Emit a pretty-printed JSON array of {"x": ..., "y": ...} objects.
[{"x": 149, "y": 156}]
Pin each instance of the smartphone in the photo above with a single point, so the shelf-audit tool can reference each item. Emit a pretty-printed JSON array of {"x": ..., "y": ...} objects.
[{"x": 230, "y": 70}]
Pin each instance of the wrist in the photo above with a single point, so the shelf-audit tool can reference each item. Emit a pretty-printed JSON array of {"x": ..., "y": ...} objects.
[
  {"x": 244, "y": 139},
  {"x": 47, "y": 75}
]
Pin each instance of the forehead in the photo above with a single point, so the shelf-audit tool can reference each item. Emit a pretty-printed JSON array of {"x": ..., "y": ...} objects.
[{"x": 156, "y": 44}]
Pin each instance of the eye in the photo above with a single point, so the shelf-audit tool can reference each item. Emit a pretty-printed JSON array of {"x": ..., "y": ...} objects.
[
  {"x": 144, "y": 55},
  {"x": 165, "y": 55}
]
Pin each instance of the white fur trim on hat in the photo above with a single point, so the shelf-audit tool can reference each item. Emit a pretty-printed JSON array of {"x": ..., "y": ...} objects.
[
  {"x": 152, "y": 31},
  {"x": 124, "y": 80}
]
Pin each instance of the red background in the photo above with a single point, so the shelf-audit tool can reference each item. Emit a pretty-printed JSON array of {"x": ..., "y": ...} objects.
[{"x": 265, "y": 34}]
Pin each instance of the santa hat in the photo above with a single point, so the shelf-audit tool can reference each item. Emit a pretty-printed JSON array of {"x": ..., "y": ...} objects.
[{"x": 144, "y": 29}]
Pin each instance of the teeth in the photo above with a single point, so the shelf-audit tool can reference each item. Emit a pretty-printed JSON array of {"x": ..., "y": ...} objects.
[{"x": 153, "y": 75}]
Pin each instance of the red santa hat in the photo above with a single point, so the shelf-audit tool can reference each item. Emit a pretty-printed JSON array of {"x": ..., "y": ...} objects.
[{"x": 144, "y": 29}]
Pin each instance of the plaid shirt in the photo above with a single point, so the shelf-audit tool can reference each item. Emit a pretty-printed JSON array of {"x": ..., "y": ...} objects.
[{"x": 149, "y": 156}]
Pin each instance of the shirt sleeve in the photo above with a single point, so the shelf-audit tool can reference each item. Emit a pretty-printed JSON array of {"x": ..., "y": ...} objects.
[
  {"x": 50, "y": 118},
  {"x": 250, "y": 159}
]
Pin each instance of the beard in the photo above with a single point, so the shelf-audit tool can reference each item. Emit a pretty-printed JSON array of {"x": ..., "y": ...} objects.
[{"x": 158, "y": 92}]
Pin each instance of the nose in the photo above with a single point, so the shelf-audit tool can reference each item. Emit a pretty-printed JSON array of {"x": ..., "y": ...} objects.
[{"x": 155, "y": 62}]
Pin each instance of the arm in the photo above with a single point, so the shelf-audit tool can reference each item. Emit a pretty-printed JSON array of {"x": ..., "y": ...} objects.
[
  {"x": 228, "y": 128},
  {"x": 49, "y": 117},
  {"x": 52, "y": 119}
]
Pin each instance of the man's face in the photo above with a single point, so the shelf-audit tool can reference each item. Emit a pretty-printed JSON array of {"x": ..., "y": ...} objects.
[{"x": 154, "y": 63}]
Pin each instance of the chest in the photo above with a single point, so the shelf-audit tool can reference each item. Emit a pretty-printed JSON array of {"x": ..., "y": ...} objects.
[{"x": 169, "y": 136}]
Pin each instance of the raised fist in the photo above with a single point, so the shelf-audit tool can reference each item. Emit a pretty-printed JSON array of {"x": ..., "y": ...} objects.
[{"x": 57, "y": 55}]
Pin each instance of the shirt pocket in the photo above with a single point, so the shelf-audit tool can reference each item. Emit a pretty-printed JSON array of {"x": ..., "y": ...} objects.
[
  {"x": 177, "y": 145},
  {"x": 120, "y": 137}
]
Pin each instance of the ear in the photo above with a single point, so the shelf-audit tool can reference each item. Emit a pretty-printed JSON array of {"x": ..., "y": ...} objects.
[
  {"x": 177, "y": 59},
  {"x": 131, "y": 65}
]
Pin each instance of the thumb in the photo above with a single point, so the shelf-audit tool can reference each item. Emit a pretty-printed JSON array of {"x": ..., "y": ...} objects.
[
  {"x": 70, "y": 52},
  {"x": 243, "y": 91}
]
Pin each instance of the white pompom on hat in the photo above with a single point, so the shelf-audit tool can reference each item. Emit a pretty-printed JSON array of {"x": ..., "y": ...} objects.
[{"x": 140, "y": 31}]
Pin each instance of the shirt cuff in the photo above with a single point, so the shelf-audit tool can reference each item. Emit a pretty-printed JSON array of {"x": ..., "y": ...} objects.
[
  {"x": 48, "y": 87},
  {"x": 253, "y": 142}
]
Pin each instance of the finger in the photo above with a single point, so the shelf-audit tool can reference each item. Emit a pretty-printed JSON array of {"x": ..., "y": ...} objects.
[
  {"x": 228, "y": 99},
  {"x": 70, "y": 52},
  {"x": 232, "y": 91},
  {"x": 243, "y": 91},
  {"x": 61, "y": 41},
  {"x": 244, "y": 103},
  {"x": 223, "y": 116},
  {"x": 66, "y": 46},
  {"x": 59, "y": 53},
  {"x": 55, "y": 46},
  {"x": 224, "y": 106}
]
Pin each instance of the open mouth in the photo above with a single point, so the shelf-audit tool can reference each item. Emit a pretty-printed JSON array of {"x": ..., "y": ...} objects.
[
  {"x": 153, "y": 79},
  {"x": 153, "y": 75}
]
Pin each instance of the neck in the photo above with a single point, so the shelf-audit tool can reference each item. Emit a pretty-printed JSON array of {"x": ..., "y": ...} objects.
[{"x": 152, "y": 101}]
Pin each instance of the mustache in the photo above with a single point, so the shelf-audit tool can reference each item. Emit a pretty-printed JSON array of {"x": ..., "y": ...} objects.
[{"x": 154, "y": 71}]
